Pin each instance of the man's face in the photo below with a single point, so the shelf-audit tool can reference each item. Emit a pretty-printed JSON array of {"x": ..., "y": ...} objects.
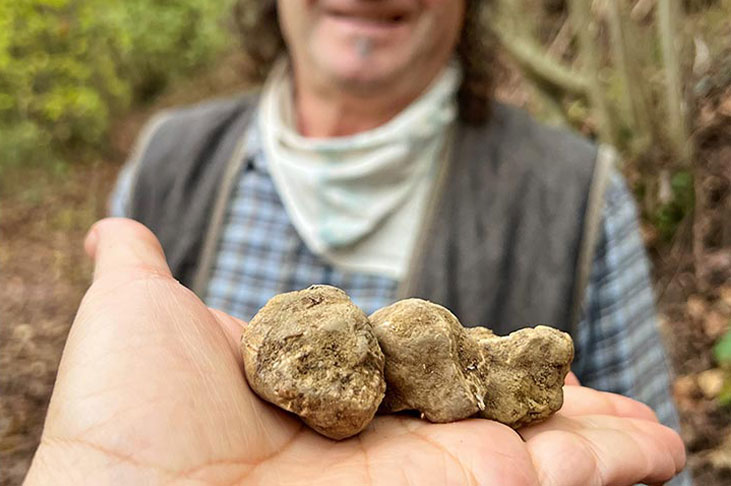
[{"x": 370, "y": 44}]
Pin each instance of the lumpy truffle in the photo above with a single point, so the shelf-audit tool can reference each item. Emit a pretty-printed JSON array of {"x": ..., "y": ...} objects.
[
  {"x": 448, "y": 373},
  {"x": 313, "y": 352}
]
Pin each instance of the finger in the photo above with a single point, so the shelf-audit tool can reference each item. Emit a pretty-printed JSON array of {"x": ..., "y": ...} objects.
[
  {"x": 230, "y": 324},
  {"x": 571, "y": 379},
  {"x": 118, "y": 245},
  {"x": 232, "y": 329},
  {"x": 604, "y": 450},
  {"x": 580, "y": 400}
]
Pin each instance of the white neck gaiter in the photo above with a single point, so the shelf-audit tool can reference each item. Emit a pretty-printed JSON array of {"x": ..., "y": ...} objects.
[{"x": 358, "y": 201}]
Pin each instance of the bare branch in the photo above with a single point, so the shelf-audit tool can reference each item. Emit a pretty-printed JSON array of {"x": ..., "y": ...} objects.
[
  {"x": 633, "y": 103},
  {"x": 668, "y": 31},
  {"x": 532, "y": 59},
  {"x": 586, "y": 28}
]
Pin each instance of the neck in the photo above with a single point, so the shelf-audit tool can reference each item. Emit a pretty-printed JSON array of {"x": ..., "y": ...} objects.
[
  {"x": 324, "y": 116},
  {"x": 323, "y": 111}
]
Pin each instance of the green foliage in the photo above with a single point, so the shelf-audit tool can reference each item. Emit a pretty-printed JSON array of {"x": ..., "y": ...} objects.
[
  {"x": 722, "y": 353},
  {"x": 668, "y": 216},
  {"x": 185, "y": 35},
  {"x": 66, "y": 66}
]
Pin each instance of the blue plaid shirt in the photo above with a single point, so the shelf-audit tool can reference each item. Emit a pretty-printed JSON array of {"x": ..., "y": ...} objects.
[{"x": 618, "y": 346}]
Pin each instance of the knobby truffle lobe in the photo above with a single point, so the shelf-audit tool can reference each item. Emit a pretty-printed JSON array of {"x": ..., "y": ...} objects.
[
  {"x": 449, "y": 373},
  {"x": 314, "y": 353}
]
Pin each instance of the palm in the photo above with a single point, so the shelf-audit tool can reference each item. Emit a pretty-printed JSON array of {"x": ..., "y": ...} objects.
[
  {"x": 151, "y": 388},
  {"x": 176, "y": 379}
]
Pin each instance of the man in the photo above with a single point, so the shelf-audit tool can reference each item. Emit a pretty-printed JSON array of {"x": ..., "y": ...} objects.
[{"x": 374, "y": 160}]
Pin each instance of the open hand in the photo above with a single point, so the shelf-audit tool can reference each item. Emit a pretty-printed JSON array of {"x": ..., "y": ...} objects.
[{"x": 151, "y": 390}]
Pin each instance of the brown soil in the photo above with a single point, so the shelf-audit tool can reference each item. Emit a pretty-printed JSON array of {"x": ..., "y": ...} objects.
[
  {"x": 44, "y": 274},
  {"x": 45, "y": 213},
  {"x": 694, "y": 286}
]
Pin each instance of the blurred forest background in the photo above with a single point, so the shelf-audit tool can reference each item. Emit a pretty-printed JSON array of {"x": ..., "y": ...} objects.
[{"x": 652, "y": 77}]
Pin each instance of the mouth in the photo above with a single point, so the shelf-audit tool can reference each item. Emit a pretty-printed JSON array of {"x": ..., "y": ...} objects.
[
  {"x": 370, "y": 22},
  {"x": 374, "y": 17}
]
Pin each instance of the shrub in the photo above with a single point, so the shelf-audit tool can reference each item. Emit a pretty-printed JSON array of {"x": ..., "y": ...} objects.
[{"x": 67, "y": 65}]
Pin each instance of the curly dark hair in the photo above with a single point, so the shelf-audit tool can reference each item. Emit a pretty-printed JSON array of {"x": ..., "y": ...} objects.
[{"x": 257, "y": 19}]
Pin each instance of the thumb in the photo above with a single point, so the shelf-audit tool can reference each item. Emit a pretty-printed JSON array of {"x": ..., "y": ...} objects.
[{"x": 119, "y": 245}]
